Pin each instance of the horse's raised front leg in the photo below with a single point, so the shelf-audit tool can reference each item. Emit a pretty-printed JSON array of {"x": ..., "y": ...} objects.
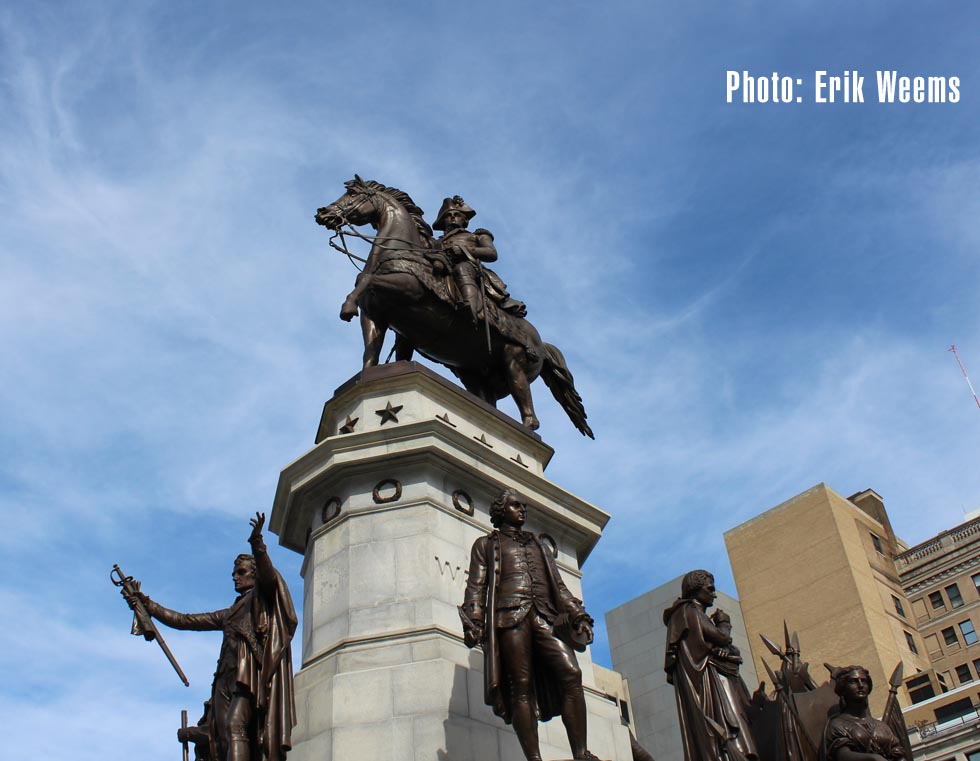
[
  {"x": 374, "y": 337},
  {"x": 349, "y": 309},
  {"x": 515, "y": 364}
]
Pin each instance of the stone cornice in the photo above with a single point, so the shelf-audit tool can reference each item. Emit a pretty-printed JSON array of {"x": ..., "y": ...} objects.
[{"x": 943, "y": 575}]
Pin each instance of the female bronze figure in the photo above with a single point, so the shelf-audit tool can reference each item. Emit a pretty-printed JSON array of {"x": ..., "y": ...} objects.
[{"x": 852, "y": 734}]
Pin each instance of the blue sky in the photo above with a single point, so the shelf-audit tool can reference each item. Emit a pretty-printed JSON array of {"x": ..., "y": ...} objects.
[{"x": 753, "y": 298}]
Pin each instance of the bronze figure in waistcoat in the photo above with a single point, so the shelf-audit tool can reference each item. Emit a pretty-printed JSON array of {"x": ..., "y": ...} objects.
[{"x": 517, "y": 607}]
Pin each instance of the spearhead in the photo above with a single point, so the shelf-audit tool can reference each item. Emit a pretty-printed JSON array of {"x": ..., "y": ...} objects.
[
  {"x": 776, "y": 683},
  {"x": 773, "y": 647},
  {"x": 895, "y": 681}
]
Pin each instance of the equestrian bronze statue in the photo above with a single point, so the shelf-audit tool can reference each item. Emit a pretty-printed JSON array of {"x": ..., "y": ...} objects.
[{"x": 441, "y": 300}]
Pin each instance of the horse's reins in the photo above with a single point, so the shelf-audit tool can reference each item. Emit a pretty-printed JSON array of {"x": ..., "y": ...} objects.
[{"x": 372, "y": 239}]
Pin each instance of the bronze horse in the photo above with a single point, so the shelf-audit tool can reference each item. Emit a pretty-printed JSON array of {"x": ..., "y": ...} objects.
[{"x": 400, "y": 288}]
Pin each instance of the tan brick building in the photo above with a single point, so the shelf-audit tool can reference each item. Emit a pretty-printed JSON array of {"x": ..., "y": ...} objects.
[
  {"x": 833, "y": 569},
  {"x": 824, "y": 564},
  {"x": 941, "y": 578}
]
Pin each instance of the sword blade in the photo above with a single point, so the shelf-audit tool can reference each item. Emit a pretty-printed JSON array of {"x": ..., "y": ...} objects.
[{"x": 170, "y": 657}]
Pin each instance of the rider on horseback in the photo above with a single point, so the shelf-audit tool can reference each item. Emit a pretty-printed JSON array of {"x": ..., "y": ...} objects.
[
  {"x": 405, "y": 286},
  {"x": 465, "y": 252}
]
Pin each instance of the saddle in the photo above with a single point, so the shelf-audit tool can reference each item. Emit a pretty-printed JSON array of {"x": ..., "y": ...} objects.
[
  {"x": 494, "y": 287},
  {"x": 433, "y": 269}
]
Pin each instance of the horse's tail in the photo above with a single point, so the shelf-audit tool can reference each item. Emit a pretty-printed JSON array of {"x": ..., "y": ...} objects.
[{"x": 558, "y": 378}]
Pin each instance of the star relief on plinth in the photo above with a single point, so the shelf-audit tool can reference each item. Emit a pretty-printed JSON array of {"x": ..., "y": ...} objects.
[
  {"x": 389, "y": 413},
  {"x": 348, "y": 426}
]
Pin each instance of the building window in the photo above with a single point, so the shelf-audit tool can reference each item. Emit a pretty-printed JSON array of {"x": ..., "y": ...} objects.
[
  {"x": 918, "y": 680},
  {"x": 898, "y": 606},
  {"x": 877, "y": 543},
  {"x": 976, "y": 583},
  {"x": 963, "y": 674},
  {"x": 911, "y": 643},
  {"x": 923, "y": 693},
  {"x": 974, "y": 756},
  {"x": 955, "y": 598},
  {"x": 954, "y": 710},
  {"x": 936, "y": 598},
  {"x": 949, "y": 637},
  {"x": 968, "y": 632},
  {"x": 976, "y": 665}
]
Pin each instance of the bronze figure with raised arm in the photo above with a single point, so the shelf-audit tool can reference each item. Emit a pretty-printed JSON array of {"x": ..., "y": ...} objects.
[{"x": 252, "y": 708}]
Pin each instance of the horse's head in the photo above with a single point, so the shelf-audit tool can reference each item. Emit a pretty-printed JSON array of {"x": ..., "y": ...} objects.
[{"x": 355, "y": 207}]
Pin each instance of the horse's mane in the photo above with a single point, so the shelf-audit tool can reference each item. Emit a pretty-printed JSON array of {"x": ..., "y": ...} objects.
[{"x": 410, "y": 206}]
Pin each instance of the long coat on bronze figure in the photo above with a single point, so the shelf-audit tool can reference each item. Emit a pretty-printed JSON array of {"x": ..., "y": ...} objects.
[
  {"x": 480, "y": 603},
  {"x": 702, "y": 664},
  {"x": 255, "y": 659}
]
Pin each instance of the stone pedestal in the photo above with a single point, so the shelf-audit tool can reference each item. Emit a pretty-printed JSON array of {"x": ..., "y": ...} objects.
[{"x": 385, "y": 509}]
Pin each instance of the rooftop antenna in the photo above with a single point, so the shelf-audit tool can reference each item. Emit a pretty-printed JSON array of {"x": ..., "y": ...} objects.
[{"x": 952, "y": 348}]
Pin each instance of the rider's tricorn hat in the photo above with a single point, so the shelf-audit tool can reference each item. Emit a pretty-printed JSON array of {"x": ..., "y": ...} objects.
[{"x": 452, "y": 204}]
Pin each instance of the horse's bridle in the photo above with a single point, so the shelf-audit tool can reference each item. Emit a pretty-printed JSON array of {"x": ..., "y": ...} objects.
[
  {"x": 341, "y": 212},
  {"x": 362, "y": 189}
]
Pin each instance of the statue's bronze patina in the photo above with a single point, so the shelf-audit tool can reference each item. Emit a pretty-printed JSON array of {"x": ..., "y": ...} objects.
[
  {"x": 440, "y": 300},
  {"x": 252, "y": 711},
  {"x": 851, "y": 733},
  {"x": 466, "y": 253},
  {"x": 720, "y": 721},
  {"x": 518, "y": 608},
  {"x": 793, "y": 724},
  {"x": 702, "y": 663},
  {"x": 198, "y": 735}
]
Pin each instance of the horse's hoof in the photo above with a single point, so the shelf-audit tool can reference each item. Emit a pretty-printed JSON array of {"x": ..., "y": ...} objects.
[
  {"x": 348, "y": 312},
  {"x": 531, "y": 422}
]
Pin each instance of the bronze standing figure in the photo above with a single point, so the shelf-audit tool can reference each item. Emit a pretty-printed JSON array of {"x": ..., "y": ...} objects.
[
  {"x": 410, "y": 284},
  {"x": 702, "y": 663},
  {"x": 518, "y": 608},
  {"x": 252, "y": 710}
]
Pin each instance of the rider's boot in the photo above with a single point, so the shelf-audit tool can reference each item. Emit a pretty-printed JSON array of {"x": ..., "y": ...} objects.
[{"x": 471, "y": 297}]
